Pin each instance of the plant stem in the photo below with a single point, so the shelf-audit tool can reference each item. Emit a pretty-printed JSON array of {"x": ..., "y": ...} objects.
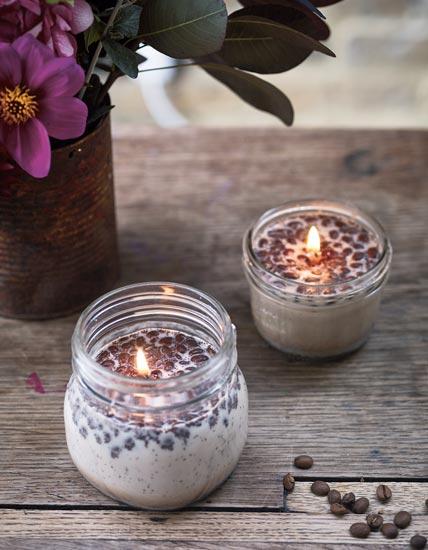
[
  {"x": 169, "y": 67},
  {"x": 99, "y": 47},
  {"x": 104, "y": 67},
  {"x": 111, "y": 79}
]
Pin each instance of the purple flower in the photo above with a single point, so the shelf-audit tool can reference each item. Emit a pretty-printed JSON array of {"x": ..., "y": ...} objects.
[
  {"x": 36, "y": 101},
  {"x": 53, "y": 24}
]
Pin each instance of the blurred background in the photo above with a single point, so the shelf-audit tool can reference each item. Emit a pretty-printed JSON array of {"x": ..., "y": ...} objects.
[{"x": 379, "y": 78}]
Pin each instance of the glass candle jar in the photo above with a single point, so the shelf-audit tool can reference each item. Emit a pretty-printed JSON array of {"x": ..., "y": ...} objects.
[
  {"x": 316, "y": 269},
  {"x": 156, "y": 443}
]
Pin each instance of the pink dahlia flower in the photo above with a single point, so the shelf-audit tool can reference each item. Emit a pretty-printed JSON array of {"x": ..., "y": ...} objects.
[
  {"x": 53, "y": 24},
  {"x": 37, "y": 100}
]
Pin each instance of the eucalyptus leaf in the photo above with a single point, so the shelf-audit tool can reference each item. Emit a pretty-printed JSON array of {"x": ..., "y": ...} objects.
[
  {"x": 99, "y": 113},
  {"x": 94, "y": 33},
  {"x": 322, "y": 3},
  {"x": 263, "y": 46},
  {"x": 184, "y": 28},
  {"x": 305, "y": 3},
  {"x": 295, "y": 16},
  {"x": 127, "y": 22},
  {"x": 125, "y": 59},
  {"x": 257, "y": 92}
]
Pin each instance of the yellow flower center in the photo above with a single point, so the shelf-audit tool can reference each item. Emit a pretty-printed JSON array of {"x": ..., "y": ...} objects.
[{"x": 17, "y": 105}]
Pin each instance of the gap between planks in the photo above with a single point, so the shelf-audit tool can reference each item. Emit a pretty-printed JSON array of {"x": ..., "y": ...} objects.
[{"x": 193, "y": 527}]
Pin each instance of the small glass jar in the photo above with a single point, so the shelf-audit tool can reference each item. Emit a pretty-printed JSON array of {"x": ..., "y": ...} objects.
[
  {"x": 155, "y": 444},
  {"x": 309, "y": 319}
]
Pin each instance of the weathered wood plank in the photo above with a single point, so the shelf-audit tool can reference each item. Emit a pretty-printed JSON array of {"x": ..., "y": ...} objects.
[
  {"x": 222, "y": 528},
  {"x": 405, "y": 496},
  {"x": 184, "y": 201}
]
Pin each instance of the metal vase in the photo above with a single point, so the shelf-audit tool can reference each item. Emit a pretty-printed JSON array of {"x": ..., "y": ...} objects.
[{"x": 58, "y": 239}]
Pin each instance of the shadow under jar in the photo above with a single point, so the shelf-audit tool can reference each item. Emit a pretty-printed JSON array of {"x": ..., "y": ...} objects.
[
  {"x": 316, "y": 301},
  {"x": 170, "y": 437}
]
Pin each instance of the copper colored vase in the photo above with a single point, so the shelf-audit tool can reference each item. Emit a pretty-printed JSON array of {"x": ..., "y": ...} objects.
[{"x": 58, "y": 242}]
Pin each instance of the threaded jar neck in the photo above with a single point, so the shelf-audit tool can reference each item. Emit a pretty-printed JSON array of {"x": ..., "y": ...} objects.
[{"x": 153, "y": 305}]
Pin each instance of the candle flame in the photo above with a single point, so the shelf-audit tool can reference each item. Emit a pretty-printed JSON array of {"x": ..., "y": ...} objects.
[
  {"x": 313, "y": 241},
  {"x": 143, "y": 368}
]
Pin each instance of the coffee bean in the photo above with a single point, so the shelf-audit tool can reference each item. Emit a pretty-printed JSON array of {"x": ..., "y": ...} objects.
[
  {"x": 320, "y": 488},
  {"x": 418, "y": 542},
  {"x": 361, "y": 505},
  {"x": 389, "y": 531},
  {"x": 334, "y": 497},
  {"x": 426, "y": 503},
  {"x": 383, "y": 493},
  {"x": 303, "y": 462},
  {"x": 348, "y": 500},
  {"x": 288, "y": 482},
  {"x": 374, "y": 521},
  {"x": 360, "y": 530},
  {"x": 402, "y": 519},
  {"x": 338, "y": 509}
]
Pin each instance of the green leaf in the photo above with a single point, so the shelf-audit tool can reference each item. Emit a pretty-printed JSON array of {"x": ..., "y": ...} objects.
[
  {"x": 94, "y": 33},
  {"x": 184, "y": 28},
  {"x": 125, "y": 59},
  {"x": 288, "y": 3},
  {"x": 322, "y": 3},
  {"x": 297, "y": 17},
  {"x": 263, "y": 46},
  {"x": 255, "y": 91},
  {"x": 127, "y": 23},
  {"x": 99, "y": 113}
]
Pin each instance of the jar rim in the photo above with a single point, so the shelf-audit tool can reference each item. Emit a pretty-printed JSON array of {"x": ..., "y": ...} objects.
[
  {"x": 306, "y": 205},
  {"x": 180, "y": 383}
]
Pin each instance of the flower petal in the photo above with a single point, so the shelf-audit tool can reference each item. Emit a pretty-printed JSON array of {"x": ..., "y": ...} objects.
[
  {"x": 26, "y": 43},
  {"x": 59, "y": 77},
  {"x": 63, "y": 117},
  {"x": 10, "y": 67},
  {"x": 32, "y": 5},
  {"x": 82, "y": 16},
  {"x": 63, "y": 42},
  {"x": 34, "y": 55},
  {"x": 29, "y": 146}
]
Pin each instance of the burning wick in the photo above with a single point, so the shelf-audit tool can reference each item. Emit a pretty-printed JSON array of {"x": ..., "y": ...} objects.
[
  {"x": 313, "y": 242},
  {"x": 142, "y": 365}
]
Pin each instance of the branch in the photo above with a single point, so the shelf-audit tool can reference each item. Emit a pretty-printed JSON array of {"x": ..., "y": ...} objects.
[
  {"x": 111, "y": 79},
  {"x": 99, "y": 47},
  {"x": 169, "y": 67}
]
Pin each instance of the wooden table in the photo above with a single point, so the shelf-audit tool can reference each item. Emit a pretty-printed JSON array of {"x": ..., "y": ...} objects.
[{"x": 184, "y": 200}]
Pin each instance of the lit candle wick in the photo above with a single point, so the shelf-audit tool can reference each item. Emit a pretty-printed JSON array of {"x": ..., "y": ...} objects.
[
  {"x": 142, "y": 365},
  {"x": 313, "y": 241}
]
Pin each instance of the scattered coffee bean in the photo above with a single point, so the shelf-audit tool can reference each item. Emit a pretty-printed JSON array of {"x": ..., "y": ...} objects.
[
  {"x": 338, "y": 509},
  {"x": 303, "y": 462},
  {"x": 320, "y": 488},
  {"x": 374, "y": 521},
  {"x": 389, "y": 531},
  {"x": 383, "y": 493},
  {"x": 361, "y": 505},
  {"x": 360, "y": 530},
  {"x": 402, "y": 519},
  {"x": 348, "y": 500},
  {"x": 426, "y": 503},
  {"x": 288, "y": 482},
  {"x": 334, "y": 497},
  {"x": 418, "y": 542}
]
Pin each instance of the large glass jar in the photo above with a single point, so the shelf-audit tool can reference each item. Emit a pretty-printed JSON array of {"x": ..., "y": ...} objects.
[{"x": 156, "y": 444}]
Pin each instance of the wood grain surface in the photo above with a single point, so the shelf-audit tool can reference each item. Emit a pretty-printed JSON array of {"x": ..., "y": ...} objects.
[{"x": 185, "y": 198}]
